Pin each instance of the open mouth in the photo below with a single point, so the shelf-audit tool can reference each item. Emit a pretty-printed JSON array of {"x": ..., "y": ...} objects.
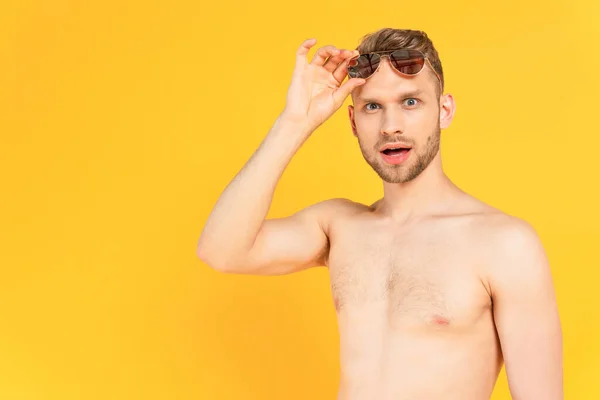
[{"x": 395, "y": 152}]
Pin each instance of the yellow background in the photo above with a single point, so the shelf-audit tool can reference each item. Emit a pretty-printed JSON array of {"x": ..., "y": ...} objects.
[{"x": 122, "y": 122}]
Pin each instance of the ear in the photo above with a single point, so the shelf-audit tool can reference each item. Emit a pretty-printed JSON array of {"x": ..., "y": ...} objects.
[
  {"x": 447, "y": 110},
  {"x": 351, "y": 116}
]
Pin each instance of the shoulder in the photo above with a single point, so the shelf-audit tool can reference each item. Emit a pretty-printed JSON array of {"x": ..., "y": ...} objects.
[
  {"x": 338, "y": 207},
  {"x": 500, "y": 232},
  {"x": 492, "y": 228},
  {"x": 513, "y": 252},
  {"x": 330, "y": 210},
  {"x": 506, "y": 249}
]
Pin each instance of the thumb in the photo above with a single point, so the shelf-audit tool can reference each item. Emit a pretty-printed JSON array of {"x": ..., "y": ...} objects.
[{"x": 347, "y": 87}]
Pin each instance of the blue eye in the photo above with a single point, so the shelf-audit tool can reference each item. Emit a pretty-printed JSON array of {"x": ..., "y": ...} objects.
[
  {"x": 370, "y": 104},
  {"x": 411, "y": 102}
]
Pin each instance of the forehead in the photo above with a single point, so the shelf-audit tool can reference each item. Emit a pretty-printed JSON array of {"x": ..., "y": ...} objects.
[{"x": 386, "y": 82}]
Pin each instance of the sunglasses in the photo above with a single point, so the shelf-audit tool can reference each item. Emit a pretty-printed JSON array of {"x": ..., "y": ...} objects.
[{"x": 405, "y": 61}]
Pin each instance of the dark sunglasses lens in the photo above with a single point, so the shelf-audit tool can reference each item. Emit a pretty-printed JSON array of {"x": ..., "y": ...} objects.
[
  {"x": 408, "y": 62},
  {"x": 363, "y": 66}
]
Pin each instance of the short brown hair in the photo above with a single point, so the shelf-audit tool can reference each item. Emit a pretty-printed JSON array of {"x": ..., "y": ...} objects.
[{"x": 390, "y": 39}]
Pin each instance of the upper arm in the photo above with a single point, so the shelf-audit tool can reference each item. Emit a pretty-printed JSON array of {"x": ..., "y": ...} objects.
[
  {"x": 526, "y": 314},
  {"x": 293, "y": 243}
]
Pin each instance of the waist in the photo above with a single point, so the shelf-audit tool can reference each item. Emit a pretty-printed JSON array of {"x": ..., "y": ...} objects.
[{"x": 419, "y": 382}]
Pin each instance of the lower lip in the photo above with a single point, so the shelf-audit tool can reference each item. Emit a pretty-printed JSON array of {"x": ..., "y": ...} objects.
[{"x": 396, "y": 159}]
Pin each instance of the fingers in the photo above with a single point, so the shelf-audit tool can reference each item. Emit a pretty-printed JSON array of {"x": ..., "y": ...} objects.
[
  {"x": 340, "y": 71},
  {"x": 321, "y": 55},
  {"x": 303, "y": 51},
  {"x": 343, "y": 91},
  {"x": 330, "y": 57},
  {"x": 305, "y": 47},
  {"x": 332, "y": 62}
]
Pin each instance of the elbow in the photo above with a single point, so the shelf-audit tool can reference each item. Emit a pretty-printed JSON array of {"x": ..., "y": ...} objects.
[{"x": 217, "y": 263}]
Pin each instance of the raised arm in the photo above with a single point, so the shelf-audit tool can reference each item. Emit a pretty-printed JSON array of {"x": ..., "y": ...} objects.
[
  {"x": 294, "y": 243},
  {"x": 236, "y": 237},
  {"x": 526, "y": 315}
]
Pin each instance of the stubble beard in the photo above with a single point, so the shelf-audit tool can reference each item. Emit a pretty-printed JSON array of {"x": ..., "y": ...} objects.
[{"x": 404, "y": 173}]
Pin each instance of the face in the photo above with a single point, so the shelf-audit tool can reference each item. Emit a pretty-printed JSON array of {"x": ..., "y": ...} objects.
[{"x": 393, "y": 108}]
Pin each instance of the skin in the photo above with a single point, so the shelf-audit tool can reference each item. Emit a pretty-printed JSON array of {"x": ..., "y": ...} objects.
[{"x": 434, "y": 290}]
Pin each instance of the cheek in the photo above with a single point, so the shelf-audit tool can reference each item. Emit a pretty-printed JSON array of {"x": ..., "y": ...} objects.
[
  {"x": 424, "y": 120},
  {"x": 366, "y": 123}
]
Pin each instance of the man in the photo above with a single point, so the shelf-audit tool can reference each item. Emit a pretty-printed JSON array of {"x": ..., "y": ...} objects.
[{"x": 433, "y": 288}]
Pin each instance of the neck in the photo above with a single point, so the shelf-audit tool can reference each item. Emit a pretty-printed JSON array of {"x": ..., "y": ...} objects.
[{"x": 429, "y": 193}]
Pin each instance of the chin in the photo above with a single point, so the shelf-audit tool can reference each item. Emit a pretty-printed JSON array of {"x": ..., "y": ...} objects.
[
  {"x": 392, "y": 174},
  {"x": 396, "y": 178},
  {"x": 399, "y": 173}
]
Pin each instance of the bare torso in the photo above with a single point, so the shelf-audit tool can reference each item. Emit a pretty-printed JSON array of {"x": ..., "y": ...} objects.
[{"x": 414, "y": 311}]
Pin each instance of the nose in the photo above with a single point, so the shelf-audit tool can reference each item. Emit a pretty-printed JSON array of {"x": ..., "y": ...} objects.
[{"x": 393, "y": 122}]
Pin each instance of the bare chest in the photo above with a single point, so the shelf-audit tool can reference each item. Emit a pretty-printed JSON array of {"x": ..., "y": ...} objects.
[{"x": 426, "y": 276}]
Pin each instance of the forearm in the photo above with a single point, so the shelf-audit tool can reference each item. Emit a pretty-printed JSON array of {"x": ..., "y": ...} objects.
[{"x": 240, "y": 211}]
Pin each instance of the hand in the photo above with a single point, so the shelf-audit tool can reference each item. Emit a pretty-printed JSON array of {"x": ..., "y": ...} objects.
[{"x": 316, "y": 90}]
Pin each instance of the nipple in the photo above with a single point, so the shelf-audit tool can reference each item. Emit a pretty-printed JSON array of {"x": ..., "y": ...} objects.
[{"x": 441, "y": 321}]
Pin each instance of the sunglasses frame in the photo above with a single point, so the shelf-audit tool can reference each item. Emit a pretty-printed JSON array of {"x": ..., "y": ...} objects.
[{"x": 387, "y": 53}]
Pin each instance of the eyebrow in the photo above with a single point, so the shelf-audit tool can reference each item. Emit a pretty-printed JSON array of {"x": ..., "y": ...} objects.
[{"x": 372, "y": 99}]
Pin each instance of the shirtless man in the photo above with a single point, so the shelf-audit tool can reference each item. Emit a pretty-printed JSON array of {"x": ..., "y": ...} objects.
[{"x": 434, "y": 290}]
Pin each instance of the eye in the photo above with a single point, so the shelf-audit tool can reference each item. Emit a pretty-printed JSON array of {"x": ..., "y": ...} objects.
[
  {"x": 369, "y": 108},
  {"x": 411, "y": 102}
]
